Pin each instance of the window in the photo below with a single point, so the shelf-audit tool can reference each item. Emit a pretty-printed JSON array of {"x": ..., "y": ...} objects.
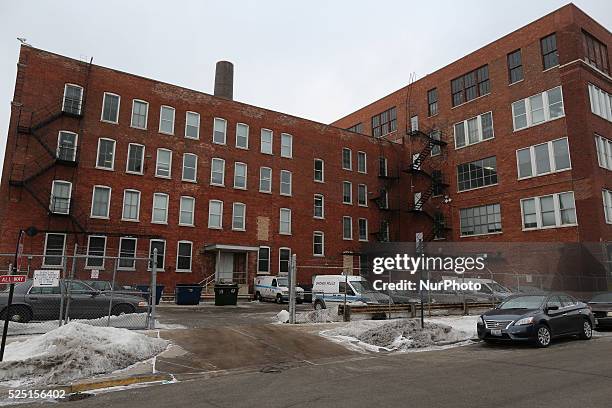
[
  {"x": 477, "y": 129},
  {"x": 192, "y": 125},
  {"x": 66, "y": 146},
  {"x": 73, "y": 99},
  {"x": 135, "y": 159},
  {"x": 436, "y": 149},
  {"x": 319, "y": 206},
  {"x": 54, "y": 249},
  {"x": 383, "y": 200},
  {"x": 479, "y": 173},
  {"x": 362, "y": 223},
  {"x": 239, "y": 217},
  {"x": 131, "y": 205},
  {"x": 362, "y": 195},
  {"x": 318, "y": 243},
  {"x": 286, "y": 145},
  {"x": 470, "y": 86},
  {"x": 100, "y": 202},
  {"x": 347, "y": 228},
  {"x": 160, "y": 245},
  {"x": 242, "y": 136},
  {"x": 432, "y": 102},
  {"x": 554, "y": 210},
  {"x": 219, "y": 131},
  {"x": 160, "y": 208},
  {"x": 215, "y": 214},
  {"x": 140, "y": 113},
  {"x": 382, "y": 167},
  {"x": 166, "y": 120},
  {"x": 106, "y": 154},
  {"x": 347, "y": 159},
  {"x": 538, "y": 109},
  {"x": 284, "y": 260},
  {"x": 190, "y": 167},
  {"x": 383, "y": 235},
  {"x": 266, "y": 141},
  {"x": 285, "y": 182},
  {"x": 362, "y": 165},
  {"x": 515, "y": 67},
  {"x": 217, "y": 172},
  {"x": 265, "y": 180},
  {"x": 240, "y": 176},
  {"x": 543, "y": 159},
  {"x": 127, "y": 253},
  {"x": 481, "y": 220},
  {"x": 601, "y": 102},
  {"x": 110, "y": 108},
  {"x": 96, "y": 247},
  {"x": 550, "y": 55},
  {"x": 347, "y": 192},
  {"x": 384, "y": 123},
  {"x": 163, "y": 166},
  {"x": 263, "y": 260},
  {"x": 183, "y": 256},
  {"x": 285, "y": 221},
  {"x": 358, "y": 128},
  {"x": 595, "y": 52},
  {"x": 607, "y": 202},
  {"x": 186, "y": 211},
  {"x": 604, "y": 152},
  {"x": 61, "y": 193},
  {"x": 319, "y": 172}
]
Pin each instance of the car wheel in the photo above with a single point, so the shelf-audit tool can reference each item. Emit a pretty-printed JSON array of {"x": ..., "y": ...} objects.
[
  {"x": 19, "y": 314},
  {"x": 543, "y": 336},
  {"x": 279, "y": 299},
  {"x": 587, "y": 331},
  {"x": 319, "y": 305},
  {"x": 258, "y": 296},
  {"x": 122, "y": 309}
]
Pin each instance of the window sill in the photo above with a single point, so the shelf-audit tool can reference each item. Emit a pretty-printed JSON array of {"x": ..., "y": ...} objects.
[
  {"x": 164, "y": 177},
  {"x": 220, "y": 144},
  {"x": 481, "y": 235},
  {"x": 166, "y": 133},
  {"x": 549, "y": 228},
  {"x": 240, "y": 188},
  {"x": 239, "y": 229},
  {"x": 284, "y": 195},
  {"x": 318, "y": 218},
  {"x": 363, "y": 205},
  {"x": 126, "y": 269},
  {"x": 265, "y": 192},
  {"x": 187, "y": 225},
  {"x": 242, "y": 148},
  {"x": 192, "y": 138},
  {"x": 94, "y": 267},
  {"x": 215, "y": 228},
  {"x": 95, "y": 217},
  {"x": 110, "y": 122},
  {"x": 363, "y": 240},
  {"x": 347, "y": 203},
  {"x": 266, "y": 153},
  {"x": 217, "y": 185},
  {"x": 319, "y": 181},
  {"x": 476, "y": 188},
  {"x": 129, "y": 220},
  {"x": 285, "y": 233},
  {"x": 551, "y": 68},
  {"x": 347, "y": 239},
  {"x": 517, "y": 82},
  {"x": 134, "y": 173},
  {"x": 139, "y": 128},
  {"x": 286, "y": 157},
  {"x": 105, "y": 168},
  {"x": 189, "y": 181},
  {"x": 319, "y": 255},
  {"x": 182, "y": 270},
  {"x": 159, "y": 222}
]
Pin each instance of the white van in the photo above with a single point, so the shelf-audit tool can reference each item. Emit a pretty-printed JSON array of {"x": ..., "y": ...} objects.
[
  {"x": 328, "y": 289},
  {"x": 275, "y": 288}
]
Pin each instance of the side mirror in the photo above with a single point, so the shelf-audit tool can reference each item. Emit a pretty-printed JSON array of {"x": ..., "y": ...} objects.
[
  {"x": 94, "y": 293},
  {"x": 551, "y": 308}
]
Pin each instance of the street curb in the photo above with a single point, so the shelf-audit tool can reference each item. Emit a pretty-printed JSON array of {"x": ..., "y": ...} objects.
[{"x": 109, "y": 383}]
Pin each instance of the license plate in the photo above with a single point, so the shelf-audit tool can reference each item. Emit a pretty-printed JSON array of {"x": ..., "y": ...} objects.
[{"x": 496, "y": 332}]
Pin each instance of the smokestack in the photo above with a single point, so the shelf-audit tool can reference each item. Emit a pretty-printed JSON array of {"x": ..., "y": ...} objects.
[{"x": 224, "y": 80}]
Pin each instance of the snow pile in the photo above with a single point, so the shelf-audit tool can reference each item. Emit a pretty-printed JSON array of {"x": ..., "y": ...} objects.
[
  {"x": 315, "y": 316},
  {"x": 74, "y": 351},
  {"x": 128, "y": 321},
  {"x": 283, "y": 316}
]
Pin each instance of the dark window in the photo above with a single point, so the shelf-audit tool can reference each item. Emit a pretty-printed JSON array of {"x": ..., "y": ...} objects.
[
  {"x": 432, "y": 101},
  {"x": 385, "y": 122},
  {"x": 263, "y": 260},
  {"x": 127, "y": 252},
  {"x": 476, "y": 174},
  {"x": 382, "y": 166},
  {"x": 358, "y": 128},
  {"x": 470, "y": 86},
  {"x": 161, "y": 252},
  {"x": 595, "y": 52},
  {"x": 485, "y": 219},
  {"x": 550, "y": 56},
  {"x": 515, "y": 66},
  {"x": 183, "y": 261},
  {"x": 437, "y": 183}
]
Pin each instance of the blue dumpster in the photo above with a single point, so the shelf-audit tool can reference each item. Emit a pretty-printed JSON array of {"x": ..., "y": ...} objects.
[
  {"x": 146, "y": 289},
  {"x": 187, "y": 293}
]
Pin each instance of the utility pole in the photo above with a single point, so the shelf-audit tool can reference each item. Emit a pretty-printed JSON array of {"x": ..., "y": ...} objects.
[{"x": 292, "y": 277}]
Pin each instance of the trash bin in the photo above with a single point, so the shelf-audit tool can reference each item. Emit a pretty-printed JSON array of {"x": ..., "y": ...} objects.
[
  {"x": 226, "y": 294},
  {"x": 147, "y": 288},
  {"x": 187, "y": 293}
]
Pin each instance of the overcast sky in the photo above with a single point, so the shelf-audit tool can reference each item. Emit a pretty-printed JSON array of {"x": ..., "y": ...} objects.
[{"x": 316, "y": 59}]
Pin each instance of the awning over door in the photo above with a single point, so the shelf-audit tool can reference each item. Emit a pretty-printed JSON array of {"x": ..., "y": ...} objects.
[{"x": 229, "y": 248}]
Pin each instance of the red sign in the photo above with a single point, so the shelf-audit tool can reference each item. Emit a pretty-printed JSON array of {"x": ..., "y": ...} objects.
[{"x": 8, "y": 279}]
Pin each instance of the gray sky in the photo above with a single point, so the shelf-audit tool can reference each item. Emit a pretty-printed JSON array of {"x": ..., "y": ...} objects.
[{"x": 315, "y": 59}]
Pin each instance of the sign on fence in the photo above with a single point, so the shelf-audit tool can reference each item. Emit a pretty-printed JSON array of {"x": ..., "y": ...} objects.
[
  {"x": 8, "y": 279},
  {"x": 46, "y": 278},
  {"x": 95, "y": 274}
]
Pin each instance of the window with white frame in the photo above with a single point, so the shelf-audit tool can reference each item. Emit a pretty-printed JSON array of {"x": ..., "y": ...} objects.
[
  {"x": 186, "y": 211},
  {"x": 318, "y": 243},
  {"x": 240, "y": 176},
  {"x": 474, "y": 130},
  {"x": 362, "y": 195},
  {"x": 266, "y": 141},
  {"x": 127, "y": 253},
  {"x": 265, "y": 180},
  {"x": 55, "y": 245},
  {"x": 239, "y": 217},
  {"x": 61, "y": 194},
  {"x": 192, "y": 125},
  {"x": 538, "y": 108},
  {"x": 363, "y": 229},
  {"x": 110, "y": 107},
  {"x": 217, "y": 172},
  {"x": 347, "y": 228},
  {"x": 135, "y": 159},
  {"x": 66, "y": 146},
  {"x": 319, "y": 206},
  {"x": 607, "y": 203},
  {"x": 604, "y": 152},
  {"x": 550, "y": 211},
  {"x": 190, "y": 167},
  {"x": 215, "y": 214},
  {"x": 362, "y": 163},
  {"x": 163, "y": 165},
  {"x": 347, "y": 161},
  {"x": 105, "y": 158},
  {"x": 285, "y": 182},
  {"x": 131, "y": 205},
  {"x": 263, "y": 260},
  {"x": 166, "y": 120},
  {"x": 183, "y": 256},
  {"x": 347, "y": 192},
  {"x": 286, "y": 145},
  {"x": 73, "y": 99},
  {"x": 140, "y": 113},
  {"x": 480, "y": 220},
  {"x": 100, "y": 202},
  {"x": 319, "y": 170},
  {"x": 285, "y": 221},
  {"x": 601, "y": 102},
  {"x": 96, "y": 248},
  {"x": 219, "y": 131},
  {"x": 160, "y": 245},
  {"x": 160, "y": 208},
  {"x": 284, "y": 260},
  {"x": 545, "y": 158},
  {"x": 242, "y": 136}
]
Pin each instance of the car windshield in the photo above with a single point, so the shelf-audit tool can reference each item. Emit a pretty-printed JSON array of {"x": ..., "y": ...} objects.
[
  {"x": 523, "y": 302},
  {"x": 603, "y": 297},
  {"x": 362, "y": 286},
  {"x": 498, "y": 288},
  {"x": 284, "y": 282}
]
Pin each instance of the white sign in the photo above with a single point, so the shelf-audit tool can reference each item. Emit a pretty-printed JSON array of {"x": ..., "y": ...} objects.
[
  {"x": 46, "y": 278},
  {"x": 95, "y": 273}
]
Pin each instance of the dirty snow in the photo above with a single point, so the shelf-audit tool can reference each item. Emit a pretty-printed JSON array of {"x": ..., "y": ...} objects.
[
  {"x": 74, "y": 351},
  {"x": 128, "y": 321},
  {"x": 314, "y": 316}
]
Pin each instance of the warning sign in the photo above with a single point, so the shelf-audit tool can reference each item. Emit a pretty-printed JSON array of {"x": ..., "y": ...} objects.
[{"x": 46, "y": 278}]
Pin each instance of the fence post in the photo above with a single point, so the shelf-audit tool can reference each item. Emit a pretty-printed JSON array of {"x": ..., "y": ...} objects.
[
  {"x": 71, "y": 276},
  {"x": 63, "y": 288},
  {"x": 112, "y": 296},
  {"x": 292, "y": 277},
  {"x": 153, "y": 296}
]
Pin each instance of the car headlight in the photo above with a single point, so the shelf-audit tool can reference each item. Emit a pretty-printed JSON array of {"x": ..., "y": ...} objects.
[
  {"x": 142, "y": 304},
  {"x": 524, "y": 321},
  {"x": 609, "y": 314},
  {"x": 284, "y": 292}
]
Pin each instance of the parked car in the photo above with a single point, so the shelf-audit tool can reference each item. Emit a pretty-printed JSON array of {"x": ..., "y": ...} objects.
[
  {"x": 333, "y": 289},
  {"x": 489, "y": 289},
  {"x": 43, "y": 303},
  {"x": 276, "y": 288},
  {"x": 601, "y": 305},
  {"x": 536, "y": 318},
  {"x": 524, "y": 289}
]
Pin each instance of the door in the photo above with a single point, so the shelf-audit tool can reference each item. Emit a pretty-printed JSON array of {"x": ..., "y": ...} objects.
[
  {"x": 557, "y": 318},
  {"x": 85, "y": 302},
  {"x": 66, "y": 146},
  {"x": 414, "y": 123},
  {"x": 73, "y": 99},
  {"x": 225, "y": 267},
  {"x": 45, "y": 302},
  {"x": 572, "y": 314}
]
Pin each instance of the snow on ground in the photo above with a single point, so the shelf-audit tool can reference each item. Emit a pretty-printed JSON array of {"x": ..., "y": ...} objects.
[
  {"x": 128, "y": 321},
  {"x": 74, "y": 351},
  {"x": 314, "y": 316}
]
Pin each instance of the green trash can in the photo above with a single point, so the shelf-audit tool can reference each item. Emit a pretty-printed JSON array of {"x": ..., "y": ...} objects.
[{"x": 226, "y": 294}]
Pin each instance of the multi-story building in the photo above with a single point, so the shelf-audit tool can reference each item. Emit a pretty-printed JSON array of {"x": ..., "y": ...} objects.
[{"x": 511, "y": 143}]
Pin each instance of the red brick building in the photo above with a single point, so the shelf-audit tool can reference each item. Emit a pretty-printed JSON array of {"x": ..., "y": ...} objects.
[{"x": 500, "y": 145}]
